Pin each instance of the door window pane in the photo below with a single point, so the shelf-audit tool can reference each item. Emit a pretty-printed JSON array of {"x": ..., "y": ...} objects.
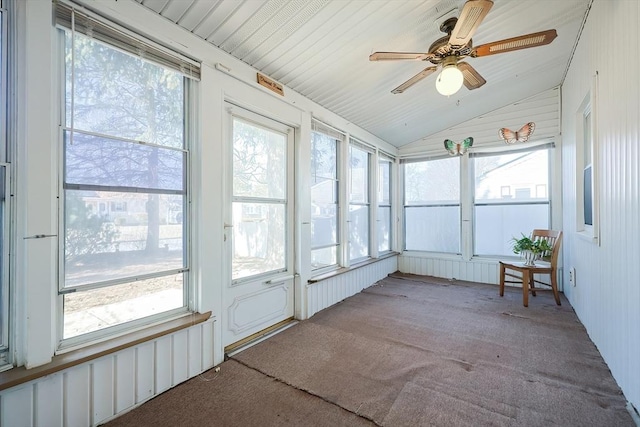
[
  {"x": 258, "y": 158},
  {"x": 260, "y": 205},
  {"x": 259, "y": 239}
]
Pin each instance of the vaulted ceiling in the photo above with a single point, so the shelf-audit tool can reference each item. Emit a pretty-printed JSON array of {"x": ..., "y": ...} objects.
[{"x": 321, "y": 48}]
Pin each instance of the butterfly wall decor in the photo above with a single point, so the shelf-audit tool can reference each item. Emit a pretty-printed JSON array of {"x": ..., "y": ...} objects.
[
  {"x": 522, "y": 135},
  {"x": 458, "y": 148}
]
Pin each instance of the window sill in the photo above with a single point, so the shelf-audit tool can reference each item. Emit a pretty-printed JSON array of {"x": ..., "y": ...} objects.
[
  {"x": 343, "y": 270},
  {"x": 21, "y": 375}
]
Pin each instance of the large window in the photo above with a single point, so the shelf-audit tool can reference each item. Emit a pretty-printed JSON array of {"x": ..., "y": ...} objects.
[
  {"x": 359, "y": 206},
  {"x": 432, "y": 205},
  {"x": 325, "y": 231},
  {"x": 124, "y": 182},
  {"x": 384, "y": 222},
  {"x": 511, "y": 197}
]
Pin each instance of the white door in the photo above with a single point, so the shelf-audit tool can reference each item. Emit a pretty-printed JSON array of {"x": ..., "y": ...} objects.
[{"x": 258, "y": 225}]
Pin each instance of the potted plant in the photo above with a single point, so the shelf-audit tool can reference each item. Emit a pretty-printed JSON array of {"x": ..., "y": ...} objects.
[{"x": 529, "y": 249}]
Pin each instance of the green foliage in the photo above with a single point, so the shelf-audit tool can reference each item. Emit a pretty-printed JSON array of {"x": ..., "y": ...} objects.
[
  {"x": 525, "y": 243},
  {"x": 86, "y": 232}
]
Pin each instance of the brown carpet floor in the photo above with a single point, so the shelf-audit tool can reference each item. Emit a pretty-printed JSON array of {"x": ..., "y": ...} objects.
[{"x": 409, "y": 351}]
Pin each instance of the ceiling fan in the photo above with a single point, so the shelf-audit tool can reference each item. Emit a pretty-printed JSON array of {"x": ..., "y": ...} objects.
[{"x": 448, "y": 51}]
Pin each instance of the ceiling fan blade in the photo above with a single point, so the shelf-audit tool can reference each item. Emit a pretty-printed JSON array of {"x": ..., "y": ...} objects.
[
  {"x": 473, "y": 12},
  {"x": 472, "y": 79},
  {"x": 516, "y": 43},
  {"x": 395, "y": 56},
  {"x": 415, "y": 79}
]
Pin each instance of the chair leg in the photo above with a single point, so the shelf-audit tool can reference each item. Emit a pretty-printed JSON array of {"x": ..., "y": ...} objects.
[
  {"x": 525, "y": 289},
  {"x": 502, "y": 280},
  {"x": 554, "y": 287},
  {"x": 532, "y": 283}
]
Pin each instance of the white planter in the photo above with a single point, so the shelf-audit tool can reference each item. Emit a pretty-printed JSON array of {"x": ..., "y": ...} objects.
[{"x": 529, "y": 257}]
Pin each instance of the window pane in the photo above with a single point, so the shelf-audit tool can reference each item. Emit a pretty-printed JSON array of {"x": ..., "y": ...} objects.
[
  {"x": 259, "y": 161},
  {"x": 495, "y": 225},
  {"x": 92, "y": 160},
  {"x": 122, "y": 95},
  {"x": 434, "y": 229},
  {"x": 384, "y": 184},
  {"x": 324, "y": 157},
  {"x": 358, "y": 231},
  {"x": 515, "y": 178},
  {"x": 96, "y": 309},
  {"x": 112, "y": 235},
  {"x": 384, "y": 228},
  {"x": 511, "y": 198},
  {"x": 432, "y": 182},
  {"x": 324, "y": 257},
  {"x": 359, "y": 166},
  {"x": 324, "y": 225},
  {"x": 259, "y": 238}
]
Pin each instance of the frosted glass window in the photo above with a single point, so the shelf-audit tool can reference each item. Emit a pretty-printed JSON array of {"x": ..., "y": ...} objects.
[
  {"x": 358, "y": 231},
  {"x": 432, "y": 205},
  {"x": 511, "y": 197}
]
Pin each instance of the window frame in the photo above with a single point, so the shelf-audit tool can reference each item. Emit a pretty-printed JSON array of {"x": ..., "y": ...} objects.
[
  {"x": 355, "y": 144},
  {"x": 459, "y": 204},
  {"x": 530, "y": 149},
  {"x": 339, "y": 139},
  {"x": 587, "y": 148},
  {"x": 189, "y": 88},
  {"x": 6, "y": 209},
  {"x": 390, "y": 161}
]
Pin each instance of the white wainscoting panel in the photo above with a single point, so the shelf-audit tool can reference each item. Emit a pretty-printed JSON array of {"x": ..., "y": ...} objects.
[
  {"x": 96, "y": 391},
  {"x": 481, "y": 271},
  {"x": 325, "y": 293}
]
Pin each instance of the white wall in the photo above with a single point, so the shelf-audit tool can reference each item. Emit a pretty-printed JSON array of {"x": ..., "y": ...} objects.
[
  {"x": 185, "y": 353},
  {"x": 607, "y": 292}
]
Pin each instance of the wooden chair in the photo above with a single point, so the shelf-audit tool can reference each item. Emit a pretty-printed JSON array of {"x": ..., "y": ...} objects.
[{"x": 525, "y": 274}]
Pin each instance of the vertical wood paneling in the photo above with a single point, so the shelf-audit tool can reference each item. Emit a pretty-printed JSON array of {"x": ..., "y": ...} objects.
[
  {"x": 144, "y": 372},
  {"x": 48, "y": 411},
  {"x": 102, "y": 389},
  {"x": 16, "y": 407},
  {"x": 76, "y": 397},
  {"x": 327, "y": 292},
  {"x": 179, "y": 349},
  {"x": 606, "y": 296},
  {"x": 474, "y": 271},
  {"x": 194, "y": 338},
  {"x": 207, "y": 345},
  {"x": 93, "y": 392},
  {"x": 163, "y": 364},
  {"x": 125, "y": 362}
]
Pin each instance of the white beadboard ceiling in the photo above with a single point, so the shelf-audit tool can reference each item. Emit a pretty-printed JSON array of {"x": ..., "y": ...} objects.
[{"x": 321, "y": 48}]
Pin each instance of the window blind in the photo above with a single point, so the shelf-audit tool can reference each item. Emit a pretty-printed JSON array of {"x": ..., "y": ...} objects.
[
  {"x": 85, "y": 22},
  {"x": 318, "y": 126}
]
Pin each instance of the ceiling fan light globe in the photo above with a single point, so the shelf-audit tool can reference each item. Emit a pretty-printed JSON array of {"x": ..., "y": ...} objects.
[{"x": 450, "y": 80}]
